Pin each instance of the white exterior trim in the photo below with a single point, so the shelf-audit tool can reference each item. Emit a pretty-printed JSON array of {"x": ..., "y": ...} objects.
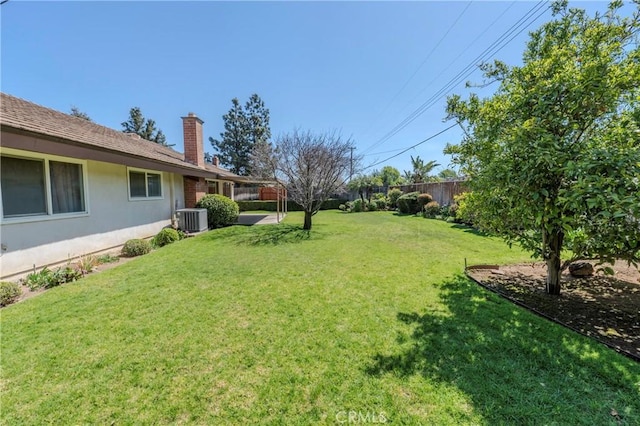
[
  {"x": 147, "y": 198},
  {"x": 46, "y": 158}
]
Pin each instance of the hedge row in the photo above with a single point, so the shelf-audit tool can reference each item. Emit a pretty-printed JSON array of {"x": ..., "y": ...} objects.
[{"x": 331, "y": 204}]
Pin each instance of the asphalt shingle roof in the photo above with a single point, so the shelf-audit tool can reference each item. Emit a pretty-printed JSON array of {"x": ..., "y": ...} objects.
[{"x": 26, "y": 116}]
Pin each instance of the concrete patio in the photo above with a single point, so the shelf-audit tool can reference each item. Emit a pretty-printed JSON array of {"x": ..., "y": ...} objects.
[{"x": 259, "y": 218}]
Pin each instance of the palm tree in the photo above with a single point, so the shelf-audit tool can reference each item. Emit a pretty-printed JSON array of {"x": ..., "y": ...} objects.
[{"x": 421, "y": 169}]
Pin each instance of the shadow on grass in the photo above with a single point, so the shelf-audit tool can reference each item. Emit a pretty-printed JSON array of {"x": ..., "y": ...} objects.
[
  {"x": 515, "y": 368},
  {"x": 470, "y": 229},
  {"x": 398, "y": 213},
  {"x": 272, "y": 235}
]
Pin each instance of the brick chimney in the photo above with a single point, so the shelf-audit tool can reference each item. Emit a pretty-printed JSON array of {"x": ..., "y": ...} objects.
[
  {"x": 193, "y": 142},
  {"x": 216, "y": 161}
]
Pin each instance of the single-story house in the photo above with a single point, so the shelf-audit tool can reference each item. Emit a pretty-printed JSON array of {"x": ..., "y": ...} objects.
[{"x": 71, "y": 187}]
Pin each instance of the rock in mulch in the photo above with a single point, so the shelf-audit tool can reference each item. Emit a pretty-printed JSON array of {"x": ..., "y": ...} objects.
[{"x": 581, "y": 269}]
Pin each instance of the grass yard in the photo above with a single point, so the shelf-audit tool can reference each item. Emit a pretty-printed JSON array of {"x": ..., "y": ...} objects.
[{"x": 367, "y": 318}]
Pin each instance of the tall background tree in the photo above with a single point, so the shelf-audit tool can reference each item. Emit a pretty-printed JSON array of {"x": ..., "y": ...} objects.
[
  {"x": 80, "y": 114},
  {"x": 390, "y": 176},
  {"x": 245, "y": 128},
  {"x": 553, "y": 156},
  {"x": 145, "y": 128},
  {"x": 312, "y": 166},
  {"x": 420, "y": 172},
  {"x": 364, "y": 184},
  {"x": 448, "y": 174}
]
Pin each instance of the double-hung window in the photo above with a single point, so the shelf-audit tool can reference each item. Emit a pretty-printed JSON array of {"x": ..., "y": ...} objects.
[
  {"x": 144, "y": 184},
  {"x": 41, "y": 187}
]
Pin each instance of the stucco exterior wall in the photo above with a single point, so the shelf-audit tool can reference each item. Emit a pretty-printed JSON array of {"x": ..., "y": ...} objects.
[{"x": 113, "y": 217}]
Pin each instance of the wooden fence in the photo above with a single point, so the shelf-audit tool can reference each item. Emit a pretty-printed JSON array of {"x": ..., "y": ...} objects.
[{"x": 442, "y": 192}]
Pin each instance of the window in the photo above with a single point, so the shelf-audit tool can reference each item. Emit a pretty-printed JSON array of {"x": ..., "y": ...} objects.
[
  {"x": 67, "y": 188},
  {"x": 144, "y": 184},
  {"x": 39, "y": 187},
  {"x": 212, "y": 187}
]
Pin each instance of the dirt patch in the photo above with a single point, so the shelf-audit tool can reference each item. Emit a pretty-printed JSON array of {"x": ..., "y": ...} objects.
[{"x": 606, "y": 308}]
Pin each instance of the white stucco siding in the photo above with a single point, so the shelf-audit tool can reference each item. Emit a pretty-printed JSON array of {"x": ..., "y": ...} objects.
[{"x": 113, "y": 217}]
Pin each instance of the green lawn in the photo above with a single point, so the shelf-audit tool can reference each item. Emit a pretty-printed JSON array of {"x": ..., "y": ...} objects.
[{"x": 367, "y": 316}]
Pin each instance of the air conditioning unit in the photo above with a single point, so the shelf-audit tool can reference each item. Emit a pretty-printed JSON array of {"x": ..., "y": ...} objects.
[{"x": 192, "y": 220}]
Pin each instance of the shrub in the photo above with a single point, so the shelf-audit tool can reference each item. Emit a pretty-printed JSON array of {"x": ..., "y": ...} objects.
[
  {"x": 393, "y": 195},
  {"x": 271, "y": 206},
  {"x": 87, "y": 264},
  {"x": 381, "y": 204},
  {"x": 445, "y": 212},
  {"x": 343, "y": 207},
  {"x": 372, "y": 206},
  {"x": 36, "y": 280},
  {"x": 357, "y": 206},
  {"x": 453, "y": 211},
  {"x": 431, "y": 209},
  {"x": 136, "y": 247},
  {"x": 424, "y": 199},
  {"x": 221, "y": 210},
  {"x": 408, "y": 203},
  {"x": 47, "y": 278},
  {"x": 9, "y": 292},
  {"x": 63, "y": 275},
  {"x": 166, "y": 236},
  {"x": 464, "y": 211},
  {"x": 107, "y": 258},
  {"x": 378, "y": 196}
]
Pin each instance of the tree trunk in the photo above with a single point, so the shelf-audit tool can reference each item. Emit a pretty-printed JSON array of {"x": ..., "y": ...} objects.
[
  {"x": 307, "y": 221},
  {"x": 553, "y": 246}
]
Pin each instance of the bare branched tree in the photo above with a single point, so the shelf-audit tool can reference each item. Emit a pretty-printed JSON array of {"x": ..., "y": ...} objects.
[{"x": 313, "y": 167}]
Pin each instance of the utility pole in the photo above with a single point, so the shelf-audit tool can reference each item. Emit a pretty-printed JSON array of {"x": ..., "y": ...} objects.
[{"x": 351, "y": 164}]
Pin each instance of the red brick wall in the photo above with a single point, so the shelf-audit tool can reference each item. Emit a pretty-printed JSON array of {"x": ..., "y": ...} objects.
[
  {"x": 193, "y": 143},
  {"x": 194, "y": 189}
]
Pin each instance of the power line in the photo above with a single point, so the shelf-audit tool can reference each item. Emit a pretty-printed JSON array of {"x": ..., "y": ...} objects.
[
  {"x": 459, "y": 55},
  {"x": 521, "y": 25},
  {"x": 383, "y": 152},
  {"x": 412, "y": 146},
  {"x": 495, "y": 47},
  {"x": 419, "y": 66}
]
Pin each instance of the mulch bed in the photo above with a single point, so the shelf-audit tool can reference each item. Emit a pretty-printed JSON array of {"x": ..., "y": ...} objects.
[{"x": 606, "y": 308}]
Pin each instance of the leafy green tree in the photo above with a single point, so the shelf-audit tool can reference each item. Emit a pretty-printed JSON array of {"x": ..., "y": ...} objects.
[
  {"x": 421, "y": 170},
  {"x": 553, "y": 156},
  {"x": 244, "y": 129},
  {"x": 390, "y": 176},
  {"x": 448, "y": 174},
  {"x": 144, "y": 128},
  {"x": 364, "y": 185},
  {"x": 77, "y": 113}
]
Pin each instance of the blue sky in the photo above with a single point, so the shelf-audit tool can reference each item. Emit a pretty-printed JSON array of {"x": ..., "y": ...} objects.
[{"x": 357, "y": 67}]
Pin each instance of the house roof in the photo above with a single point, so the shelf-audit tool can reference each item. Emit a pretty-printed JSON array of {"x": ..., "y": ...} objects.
[{"x": 24, "y": 117}]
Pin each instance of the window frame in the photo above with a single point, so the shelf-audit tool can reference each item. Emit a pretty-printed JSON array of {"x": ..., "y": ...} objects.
[
  {"x": 218, "y": 184},
  {"x": 146, "y": 172},
  {"x": 49, "y": 215}
]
